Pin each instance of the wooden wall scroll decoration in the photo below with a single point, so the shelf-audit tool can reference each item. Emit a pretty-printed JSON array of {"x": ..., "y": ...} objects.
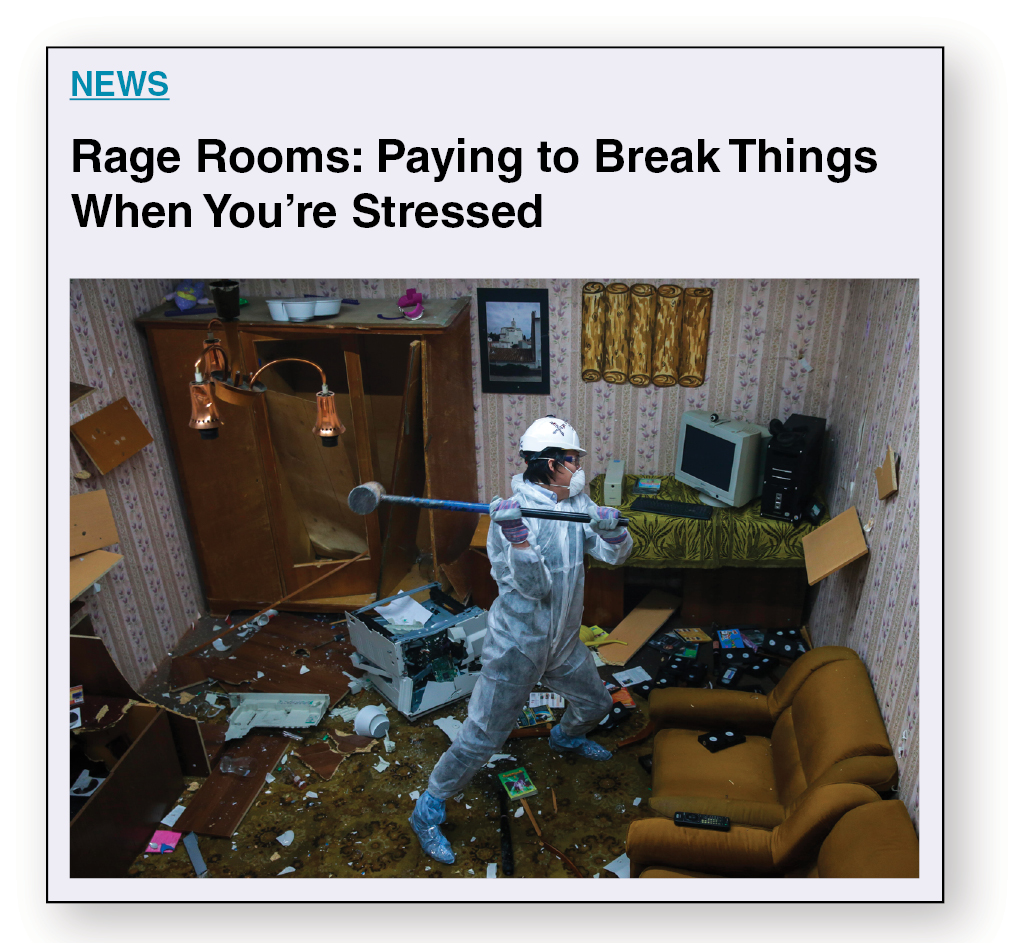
[
  {"x": 639, "y": 333},
  {"x": 643, "y": 301},
  {"x": 696, "y": 328},
  {"x": 595, "y": 313},
  {"x": 616, "y": 334}
]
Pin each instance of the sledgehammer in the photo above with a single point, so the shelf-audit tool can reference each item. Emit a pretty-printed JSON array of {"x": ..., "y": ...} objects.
[{"x": 366, "y": 498}]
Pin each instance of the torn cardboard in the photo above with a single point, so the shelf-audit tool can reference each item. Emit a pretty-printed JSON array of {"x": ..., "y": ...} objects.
[{"x": 649, "y": 616}]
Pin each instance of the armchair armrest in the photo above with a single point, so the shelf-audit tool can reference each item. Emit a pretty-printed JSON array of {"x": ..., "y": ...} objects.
[
  {"x": 703, "y": 709},
  {"x": 660, "y": 842}
]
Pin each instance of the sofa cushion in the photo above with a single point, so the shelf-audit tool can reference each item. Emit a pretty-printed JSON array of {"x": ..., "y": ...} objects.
[
  {"x": 873, "y": 841},
  {"x": 738, "y": 782},
  {"x": 781, "y": 696},
  {"x": 835, "y": 716}
]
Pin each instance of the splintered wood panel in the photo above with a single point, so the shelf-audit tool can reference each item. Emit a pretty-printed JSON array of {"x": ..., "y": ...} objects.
[
  {"x": 92, "y": 522},
  {"x": 190, "y": 744},
  {"x": 652, "y": 613},
  {"x": 113, "y": 828},
  {"x": 87, "y": 569},
  {"x": 94, "y": 669},
  {"x": 319, "y": 478},
  {"x": 400, "y": 521},
  {"x": 273, "y": 650},
  {"x": 320, "y": 758},
  {"x": 221, "y": 479},
  {"x": 112, "y": 435},
  {"x": 449, "y": 444},
  {"x": 224, "y": 799},
  {"x": 830, "y": 547},
  {"x": 80, "y": 391}
]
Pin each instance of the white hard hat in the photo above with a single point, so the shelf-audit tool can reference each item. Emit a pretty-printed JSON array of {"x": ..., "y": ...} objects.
[{"x": 550, "y": 432}]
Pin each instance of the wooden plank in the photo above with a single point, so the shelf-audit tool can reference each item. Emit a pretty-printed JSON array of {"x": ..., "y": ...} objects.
[
  {"x": 438, "y": 315},
  {"x": 224, "y": 799},
  {"x": 94, "y": 669},
  {"x": 364, "y": 451},
  {"x": 190, "y": 744},
  {"x": 400, "y": 520},
  {"x": 92, "y": 522},
  {"x": 831, "y": 546},
  {"x": 113, "y": 828},
  {"x": 112, "y": 435},
  {"x": 80, "y": 391},
  {"x": 449, "y": 442},
  {"x": 87, "y": 569},
  {"x": 652, "y": 613}
]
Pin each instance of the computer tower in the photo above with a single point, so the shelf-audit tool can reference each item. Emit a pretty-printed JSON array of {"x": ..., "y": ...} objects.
[{"x": 792, "y": 467}]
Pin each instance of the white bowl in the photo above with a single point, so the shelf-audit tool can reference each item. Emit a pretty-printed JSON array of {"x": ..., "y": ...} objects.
[
  {"x": 327, "y": 307},
  {"x": 372, "y": 721},
  {"x": 300, "y": 309},
  {"x": 276, "y": 306}
]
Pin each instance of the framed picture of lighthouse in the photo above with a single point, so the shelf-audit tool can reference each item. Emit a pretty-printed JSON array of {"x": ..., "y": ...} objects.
[{"x": 514, "y": 340}]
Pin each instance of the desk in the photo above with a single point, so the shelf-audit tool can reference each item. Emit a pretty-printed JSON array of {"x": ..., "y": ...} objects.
[
  {"x": 732, "y": 537},
  {"x": 736, "y": 567}
]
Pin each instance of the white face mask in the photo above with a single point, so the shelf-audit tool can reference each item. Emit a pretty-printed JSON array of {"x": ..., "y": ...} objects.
[{"x": 576, "y": 482}]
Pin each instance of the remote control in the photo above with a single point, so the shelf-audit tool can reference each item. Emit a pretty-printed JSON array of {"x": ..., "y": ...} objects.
[
  {"x": 699, "y": 820},
  {"x": 699, "y": 512}
]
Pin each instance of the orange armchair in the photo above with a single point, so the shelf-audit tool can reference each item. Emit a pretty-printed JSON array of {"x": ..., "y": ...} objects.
[
  {"x": 836, "y": 831},
  {"x": 821, "y": 724}
]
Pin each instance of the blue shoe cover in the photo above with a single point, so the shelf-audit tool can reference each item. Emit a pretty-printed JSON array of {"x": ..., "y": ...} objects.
[
  {"x": 581, "y": 746},
  {"x": 425, "y": 820}
]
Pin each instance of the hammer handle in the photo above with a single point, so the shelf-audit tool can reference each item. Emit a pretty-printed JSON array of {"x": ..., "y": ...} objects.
[{"x": 443, "y": 505}]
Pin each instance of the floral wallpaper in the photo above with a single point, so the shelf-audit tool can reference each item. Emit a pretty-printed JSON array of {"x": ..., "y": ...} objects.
[
  {"x": 842, "y": 349},
  {"x": 149, "y": 599}
]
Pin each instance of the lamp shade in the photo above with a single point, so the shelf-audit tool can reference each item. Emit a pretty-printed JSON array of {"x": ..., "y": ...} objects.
[
  {"x": 328, "y": 425},
  {"x": 204, "y": 409}
]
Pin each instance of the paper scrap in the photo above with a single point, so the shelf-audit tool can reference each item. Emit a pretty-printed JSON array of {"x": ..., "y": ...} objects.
[
  {"x": 270, "y": 777},
  {"x": 382, "y": 765},
  {"x": 599, "y": 662},
  {"x": 619, "y": 867},
  {"x": 498, "y": 756},
  {"x": 637, "y": 800},
  {"x": 287, "y": 870},
  {"x": 492, "y": 869},
  {"x": 414, "y": 795},
  {"x": 347, "y": 714},
  {"x": 163, "y": 842},
  {"x": 405, "y": 611},
  {"x": 303, "y": 670},
  {"x": 101, "y": 713},
  {"x": 633, "y": 676},
  {"x": 546, "y": 699},
  {"x": 519, "y": 812},
  {"x": 259, "y": 674},
  {"x": 172, "y": 816},
  {"x": 286, "y": 838},
  {"x": 449, "y": 725},
  {"x": 276, "y": 856},
  {"x": 185, "y": 697},
  {"x": 313, "y": 795}
]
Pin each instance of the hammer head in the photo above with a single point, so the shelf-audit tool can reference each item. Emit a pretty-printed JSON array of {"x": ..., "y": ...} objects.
[{"x": 364, "y": 498}]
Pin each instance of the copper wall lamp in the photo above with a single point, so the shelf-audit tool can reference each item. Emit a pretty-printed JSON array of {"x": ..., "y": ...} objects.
[{"x": 240, "y": 389}]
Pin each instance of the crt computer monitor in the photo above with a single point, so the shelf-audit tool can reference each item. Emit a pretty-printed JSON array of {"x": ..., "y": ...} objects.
[{"x": 722, "y": 459}]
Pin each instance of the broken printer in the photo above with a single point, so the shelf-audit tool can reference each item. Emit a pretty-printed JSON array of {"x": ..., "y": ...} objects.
[{"x": 427, "y": 662}]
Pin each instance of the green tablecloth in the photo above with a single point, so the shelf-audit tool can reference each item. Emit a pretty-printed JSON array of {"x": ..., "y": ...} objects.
[{"x": 732, "y": 537}]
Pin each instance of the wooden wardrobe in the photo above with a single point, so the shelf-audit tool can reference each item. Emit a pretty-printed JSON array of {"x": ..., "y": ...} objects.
[{"x": 267, "y": 504}]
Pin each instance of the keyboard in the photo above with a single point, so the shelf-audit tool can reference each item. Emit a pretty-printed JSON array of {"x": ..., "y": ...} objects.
[{"x": 698, "y": 512}]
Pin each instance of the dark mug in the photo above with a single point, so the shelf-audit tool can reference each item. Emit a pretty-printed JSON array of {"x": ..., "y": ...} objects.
[{"x": 224, "y": 293}]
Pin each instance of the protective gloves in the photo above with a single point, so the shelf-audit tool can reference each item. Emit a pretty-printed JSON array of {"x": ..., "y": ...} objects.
[
  {"x": 507, "y": 515},
  {"x": 607, "y": 524}
]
